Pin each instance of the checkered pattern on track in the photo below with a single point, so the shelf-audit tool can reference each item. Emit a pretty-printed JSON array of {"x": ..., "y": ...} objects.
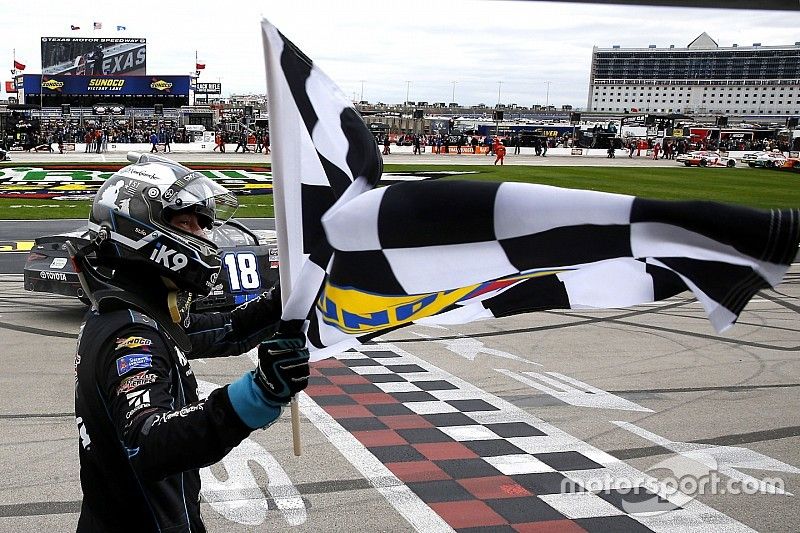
[{"x": 480, "y": 462}]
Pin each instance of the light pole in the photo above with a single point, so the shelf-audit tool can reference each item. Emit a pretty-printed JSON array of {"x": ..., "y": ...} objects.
[
  {"x": 499, "y": 85},
  {"x": 408, "y": 89},
  {"x": 362, "y": 91},
  {"x": 547, "y": 96},
  {"x": 454, "y": 92}
]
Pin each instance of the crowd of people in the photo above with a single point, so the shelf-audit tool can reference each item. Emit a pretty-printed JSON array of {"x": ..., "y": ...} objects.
[
  {"x": 46, "y": 135},
  {"x": 51, "y": 136},
  {"x": 243, "y": 140},
  {"x": 466, "y": 144},
  {"x": 670, "y": 148}
]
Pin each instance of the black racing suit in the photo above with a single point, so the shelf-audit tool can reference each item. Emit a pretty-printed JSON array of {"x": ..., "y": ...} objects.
[{"x": 143, "y": 433}]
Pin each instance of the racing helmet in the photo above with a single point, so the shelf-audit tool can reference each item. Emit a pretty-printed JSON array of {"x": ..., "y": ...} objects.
[{"x": 130, "y": 222}]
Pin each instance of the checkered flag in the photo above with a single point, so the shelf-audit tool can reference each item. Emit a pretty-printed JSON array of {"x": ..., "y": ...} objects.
[
  {"x": 359, "y": 261},
  {"x": 452, "y": 252},
  {"x": 320, "y": 147}
]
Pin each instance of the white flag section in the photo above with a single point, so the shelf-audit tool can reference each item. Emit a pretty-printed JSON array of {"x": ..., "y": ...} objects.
[
  {"x": 358, "y": 261},
  {"x": 320, "y": 145}
]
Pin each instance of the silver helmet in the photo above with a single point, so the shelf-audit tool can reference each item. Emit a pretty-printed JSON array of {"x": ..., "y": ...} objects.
[{"x": 130, "y": 221}]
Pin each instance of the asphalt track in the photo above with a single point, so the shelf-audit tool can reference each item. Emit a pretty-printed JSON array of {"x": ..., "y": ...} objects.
[{"x": 620, "y": 395}]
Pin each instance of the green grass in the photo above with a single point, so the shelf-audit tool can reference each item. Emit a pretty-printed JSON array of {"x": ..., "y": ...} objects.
[{"x": 746, "y": 186}]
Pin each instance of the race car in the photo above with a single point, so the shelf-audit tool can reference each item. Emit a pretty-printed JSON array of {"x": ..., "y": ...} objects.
[
  {"x": 789, "y": 162},
  {"x": 704, "y": 158},
  {"x": 773, "y": 159},
  {"x": 250, "y": 265}
]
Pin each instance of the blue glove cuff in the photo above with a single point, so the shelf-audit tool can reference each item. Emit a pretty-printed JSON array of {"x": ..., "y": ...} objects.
[{"x": 250, "y": 403}]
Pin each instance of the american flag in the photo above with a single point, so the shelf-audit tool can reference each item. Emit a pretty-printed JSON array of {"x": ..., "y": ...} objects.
[
  {"x": 358, "y": 261},
  {"x": 98, "y": 25}
]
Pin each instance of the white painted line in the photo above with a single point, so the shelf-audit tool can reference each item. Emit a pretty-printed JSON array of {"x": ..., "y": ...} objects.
[
  {"x": 238, "y": 496},
  {"x": 572, "y": 391},
  {"x": 469, "y": 348},
  {"x": 723, "y": 459}
]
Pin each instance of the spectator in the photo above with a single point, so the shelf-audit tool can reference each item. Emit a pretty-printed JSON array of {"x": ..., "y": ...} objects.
[
  {"x": 87, "y": 139},
  {"x": 154, "y": 142},
  {"x": 242, "y": 142}
]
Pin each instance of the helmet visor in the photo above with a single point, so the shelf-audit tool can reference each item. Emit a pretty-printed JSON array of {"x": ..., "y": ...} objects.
[{"x": 212, "y": 201}]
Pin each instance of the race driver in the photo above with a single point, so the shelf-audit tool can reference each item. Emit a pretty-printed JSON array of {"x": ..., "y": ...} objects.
[{"x": 143, "y": 431}]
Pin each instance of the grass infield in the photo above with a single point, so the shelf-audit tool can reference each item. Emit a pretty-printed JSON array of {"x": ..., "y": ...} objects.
[{"x": 746, "y": 186}]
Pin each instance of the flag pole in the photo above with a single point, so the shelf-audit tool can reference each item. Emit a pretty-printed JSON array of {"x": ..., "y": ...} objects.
[
  {"x": 295, "y": 411},
  {"x": 284, "y": 164},
  {"x": 285, "y": 272}
]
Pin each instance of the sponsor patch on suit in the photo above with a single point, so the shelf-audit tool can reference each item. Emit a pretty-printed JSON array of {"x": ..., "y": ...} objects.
[{"x": 135, "y": 360}]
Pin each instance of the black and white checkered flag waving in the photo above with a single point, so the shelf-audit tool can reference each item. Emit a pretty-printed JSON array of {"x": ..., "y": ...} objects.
[
  {"x": 359, "y": 261},
  {"x": 452, "y": 252},
  {"x": 320, "y": 146}
]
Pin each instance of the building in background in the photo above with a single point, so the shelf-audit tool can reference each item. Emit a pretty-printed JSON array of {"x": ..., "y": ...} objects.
[{"x": 703, "y": 78}]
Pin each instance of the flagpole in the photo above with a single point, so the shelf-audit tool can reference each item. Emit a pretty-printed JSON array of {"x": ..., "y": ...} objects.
[{"x": 289, "y": 253}]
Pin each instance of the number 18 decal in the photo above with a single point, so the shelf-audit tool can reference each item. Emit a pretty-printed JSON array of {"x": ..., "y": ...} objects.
[{"x": 242, "y": 271}]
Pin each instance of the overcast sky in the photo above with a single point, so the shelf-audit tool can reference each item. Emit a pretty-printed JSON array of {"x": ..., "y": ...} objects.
[{"x": 381, "y": 50}]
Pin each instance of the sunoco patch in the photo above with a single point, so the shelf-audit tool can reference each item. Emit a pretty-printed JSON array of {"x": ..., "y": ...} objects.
[{"x": 133, "y": 342}]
